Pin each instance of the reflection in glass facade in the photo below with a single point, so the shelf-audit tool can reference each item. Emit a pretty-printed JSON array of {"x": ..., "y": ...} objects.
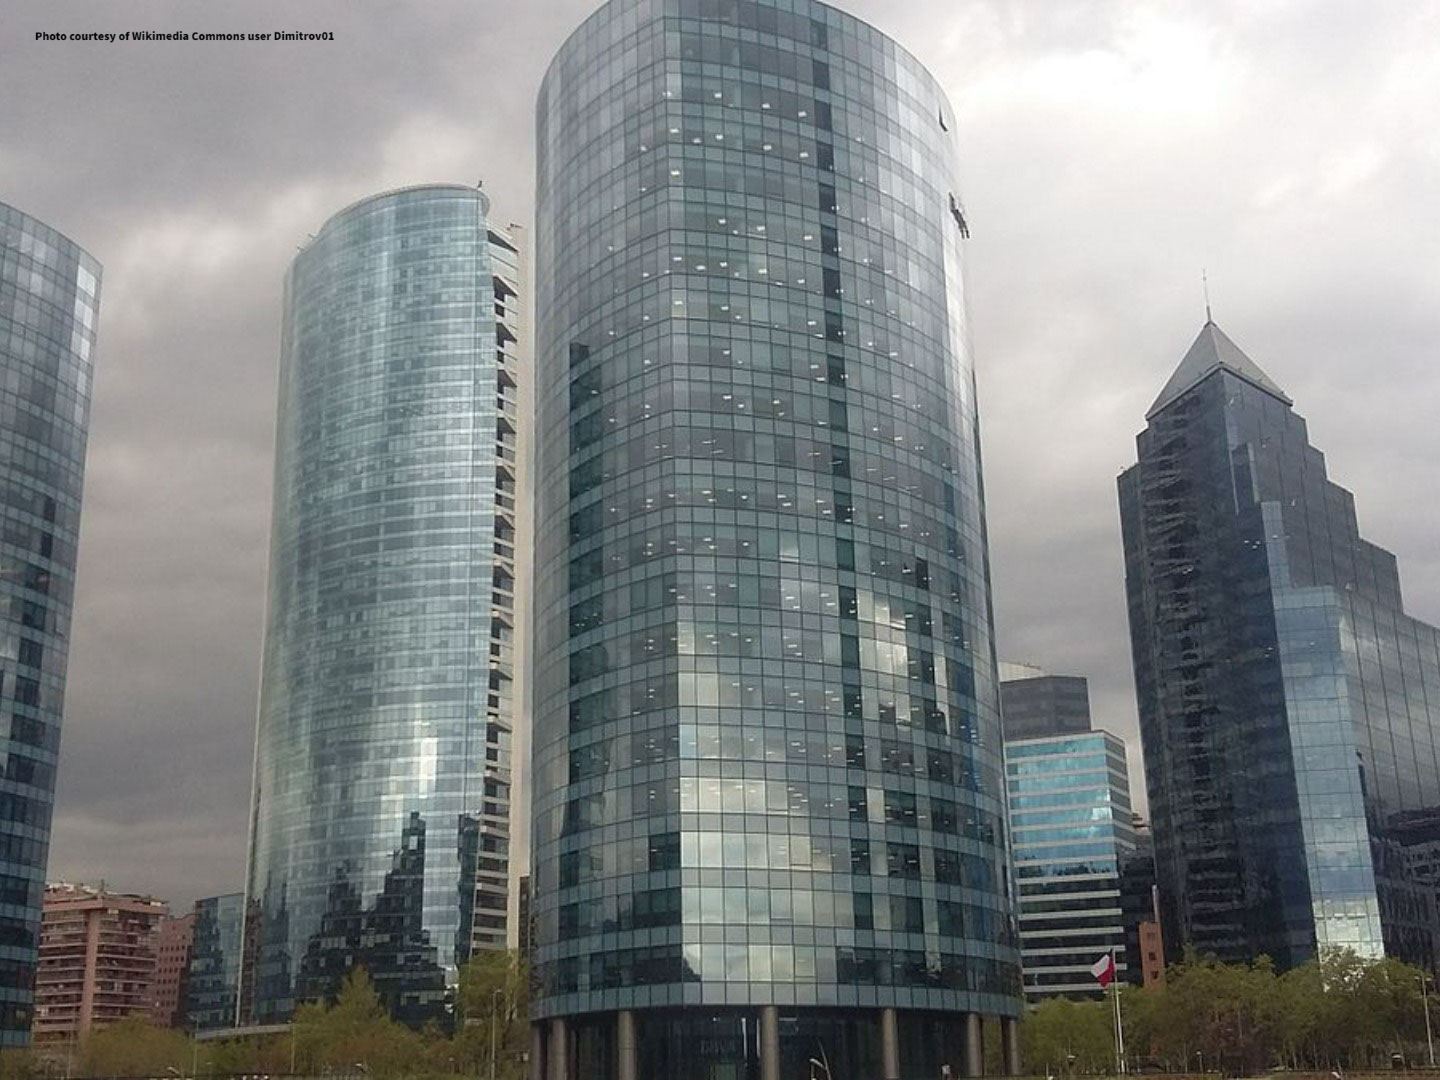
[
  {"x": 768, "y": 813},
  {"x": 382, "y": 768},
  {"x": 1073, "y": 837},
  {"x": 1288, "y": 706},
  {"x": 49, "y": 304},
  {"x": 214, "y": 978}
]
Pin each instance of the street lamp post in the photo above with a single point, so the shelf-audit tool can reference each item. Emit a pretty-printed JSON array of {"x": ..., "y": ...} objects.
[{"x": 1425, "y": 1000}]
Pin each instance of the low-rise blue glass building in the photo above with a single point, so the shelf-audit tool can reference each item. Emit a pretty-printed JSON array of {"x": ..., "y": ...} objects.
[
  {"x": 769, "y": 819},
  {"x": 1072, "y": 830},
  {"x": 212, "y": 989},
  {"x": 382, "y": 763},
  {"x": 1289, "y": 707},
  {"x": 49, "y": 306}
]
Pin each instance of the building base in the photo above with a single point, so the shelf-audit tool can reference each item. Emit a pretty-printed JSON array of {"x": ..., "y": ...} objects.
[{"x": 765, "y": 1042}]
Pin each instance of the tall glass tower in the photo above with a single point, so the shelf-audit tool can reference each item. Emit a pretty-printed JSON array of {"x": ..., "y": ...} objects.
[
  {"x": 382, "y": 762},
  {"x": 768, "y": 807},
  {"x": 49, "y": 303},
  {"x": 1289, "y": 707}
]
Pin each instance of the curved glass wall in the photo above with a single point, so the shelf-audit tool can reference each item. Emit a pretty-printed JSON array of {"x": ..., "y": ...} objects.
[
  {"x": 49, "y": 304},
  {"x": 767, "y": 742},
  {"x": 382, "y": 753}
]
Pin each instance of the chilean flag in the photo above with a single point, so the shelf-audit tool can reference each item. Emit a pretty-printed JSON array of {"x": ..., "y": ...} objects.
[{"x": 1104, "y": 970}]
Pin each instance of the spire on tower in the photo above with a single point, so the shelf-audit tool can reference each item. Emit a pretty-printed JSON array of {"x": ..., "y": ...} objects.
[{"x": 1211, "y": 352}]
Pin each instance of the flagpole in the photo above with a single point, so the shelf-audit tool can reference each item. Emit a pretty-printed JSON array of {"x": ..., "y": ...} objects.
[{"x": 1119, "y": 1028}]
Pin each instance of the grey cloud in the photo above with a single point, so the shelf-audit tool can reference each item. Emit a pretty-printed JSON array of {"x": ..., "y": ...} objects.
[{"x": 1111, "y": 149}]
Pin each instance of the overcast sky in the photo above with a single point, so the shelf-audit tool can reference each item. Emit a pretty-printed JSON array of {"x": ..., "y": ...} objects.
[{"x": 1111, "y": 151}]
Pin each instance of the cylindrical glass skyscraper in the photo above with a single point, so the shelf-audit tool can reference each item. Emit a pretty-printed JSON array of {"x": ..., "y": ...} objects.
[
  {"x": 768, "y": 815},
  {"x": 49, "y": 306},
  {"x": 382, "y": 763}
]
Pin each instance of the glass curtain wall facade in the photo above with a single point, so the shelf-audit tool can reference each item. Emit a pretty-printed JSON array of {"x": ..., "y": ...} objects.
[
  {"x": 382, "y": 769},
  {"x": 213, "y": 988},
  {"x": 1288, "y": 705},
  {"x": 49, "y": 307},
  {"x": 768, "y": 814},
  {"x": 1073, "y": 836}
]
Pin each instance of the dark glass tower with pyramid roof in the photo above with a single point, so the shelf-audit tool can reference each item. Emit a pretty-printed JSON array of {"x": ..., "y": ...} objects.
[{"x": 1289, "y": 708}]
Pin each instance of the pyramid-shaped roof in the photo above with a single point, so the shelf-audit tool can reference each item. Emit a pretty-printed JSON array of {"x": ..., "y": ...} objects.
[{"x": 1212, "y": 352}]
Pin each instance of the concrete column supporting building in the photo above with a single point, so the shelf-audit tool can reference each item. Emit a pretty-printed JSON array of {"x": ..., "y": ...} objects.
[
  {"x": 889, "y": 1045},
  {"x": 769, "y": 1043},
  {"x": 626, "y": 1067},
  {"x": 974, "y": 1045},
  {"x": 1010, "y": 1042},
  {"x": 535, "y": 1069},
  {"x": 558, "y": 1059}
]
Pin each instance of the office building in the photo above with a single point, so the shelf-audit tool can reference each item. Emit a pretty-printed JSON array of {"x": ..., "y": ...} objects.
[
  {"x": 382, "y": 765},
  {"x": 1288, "y": 705},
  {"x": 1140, "y": 910},
  {"x": 49, "y": 305},
  {"x": 173, "y": 939},
  {"x": 1072, "y": 833},
  {"x": 97, "y": 959},
  {"x": 213, "y": 983},
  {"x": 1034, "y": 702},
  {"x": 768, "y": 804}
]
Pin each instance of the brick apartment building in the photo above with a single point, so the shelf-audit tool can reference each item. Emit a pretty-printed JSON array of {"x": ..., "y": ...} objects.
[{"x": 173, "y": 940}]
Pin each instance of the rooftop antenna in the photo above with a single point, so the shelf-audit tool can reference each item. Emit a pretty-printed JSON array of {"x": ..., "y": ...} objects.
[{"x": 1205, "y": 285}]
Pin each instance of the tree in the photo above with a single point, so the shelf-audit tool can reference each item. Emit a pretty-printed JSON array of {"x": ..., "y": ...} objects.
[
  {"x": 1209, "y": 1015},
  {"x": 1061, "y": 1037},
  {"x": 494, "y": 984},
  {"x": 355, "y": 1030},
  {"x": 1338, "y": 1011},
  {"x": 1388, "y": 994},
  {"x": 1343, "y": 1010},
  {"x": 134, "y": 1047},
  {"x": 18, "y": 1064}
]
